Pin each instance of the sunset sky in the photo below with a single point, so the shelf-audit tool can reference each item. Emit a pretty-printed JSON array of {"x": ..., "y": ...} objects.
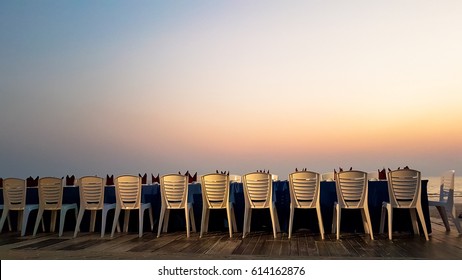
[{"x": 115, "y": 87}]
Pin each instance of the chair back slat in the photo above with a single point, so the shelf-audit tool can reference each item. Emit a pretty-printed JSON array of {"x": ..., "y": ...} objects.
[
  {"x": 14, "y": 193},
  {"x": 91, "y": 192},
  {"x": 215, "y": 190},
  {"x": 404, "y": 187},
  {"x": 304, "y": 188},
  {"x": 174, "y": 190},
  {"x": 128, "y": 191},
  {"x": 50, "y": 193},
  {"x": 447, "y": 188},
  {"x": 351, "y": 188},
  {"x": 258, "y": 189}
]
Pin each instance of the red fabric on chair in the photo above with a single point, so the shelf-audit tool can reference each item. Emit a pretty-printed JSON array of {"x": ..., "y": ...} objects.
[
  {"x": 70, "y": 180},
  {"x": 144, "y": 178},
  {"x": 382, "y": 174},
  {"x": 155, "y": 179},
  {"x": 31, "y": 182},
  {"x": 109, "y": 180}
]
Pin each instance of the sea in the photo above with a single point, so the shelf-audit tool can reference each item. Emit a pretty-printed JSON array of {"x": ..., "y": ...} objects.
[{"x": 433, "y": 188}]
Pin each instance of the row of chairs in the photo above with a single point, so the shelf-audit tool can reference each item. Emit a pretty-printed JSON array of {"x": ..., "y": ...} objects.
[{"x": 404, "y": 189}]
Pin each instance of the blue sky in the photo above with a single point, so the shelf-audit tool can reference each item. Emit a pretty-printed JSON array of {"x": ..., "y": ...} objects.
[{"x": 97, "y": 87}]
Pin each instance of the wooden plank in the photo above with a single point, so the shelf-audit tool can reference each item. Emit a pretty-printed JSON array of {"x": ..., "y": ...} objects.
[
  {"x": 218, "y": 245},
  {"x": 224, "y": 246}
]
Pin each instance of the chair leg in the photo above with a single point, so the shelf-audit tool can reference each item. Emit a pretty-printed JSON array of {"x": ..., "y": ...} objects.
[
  {"x": 339, "y": 217},
  {"x": 126, "y": 219},
  {"x": 103, "y": 220},
  {"x": 233, "y": 219},
  {"x": 161, "y": 218},
  {"x": 62, "y": 219},
  {"x": 192, "y": 219},
  {"x": 204, "y": 214},
  {"x": 230, "y": 221},
  {"x": 9, "y": 223},
  {"x": 382, "y": 218},
  {"x": 151, "y": 218},
  {"x": 92, "y": 220},
  {"x": 422, "y": 220},
  {"x": 273, "y": 214},
  {"x": 116, "y": 220},
  {"x": 244, "y": 226},
  {"x": 186, "y": 214},
  {"x": 276, "y": 218},
  {"x": 455, "y": 220},
  {"x": 390, "y": 221},
  {"x": 140, "y": 221},
  {"x": 166, "y": 219},
  {"x": 334, "y": 219},
  {"x": 365, "y": 225},
  {"x": 415, "y": 223},
  {"x": 291, "y": 219},
  {"x": 54, "y": 215},
  {"x": 368, "y": 219},
  {"x": 79, "y": 220},
  {"x": 20, "y": 218},
  {"x": 3, "y": 218},
  {"x": 25, "y": 218},
  {"x": 207, "y": 219},
  {"x": 444, "y": 217},
  {"x": 320, "y": 222},
  {"x": 249, "y": 220},
  {"x": 37, "y": 221}
]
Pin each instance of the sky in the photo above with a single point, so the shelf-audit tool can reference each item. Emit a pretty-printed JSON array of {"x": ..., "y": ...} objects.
[{"x": 127, "y": 87}]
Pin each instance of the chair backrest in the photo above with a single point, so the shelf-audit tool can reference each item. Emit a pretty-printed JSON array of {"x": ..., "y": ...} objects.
[
  {"x": 304, "y": 188},
  {"x": 351, "y": 188},
  {"x": 91, "y": 190},
  {"x": 215, "y": 190},
  {"x": 174, "y": 190},
  {"x": 14, "y": 193},
  {"x": 128, "y": 191},
  {"x": 404, "y": 188},
  {"x": 50, "y": 193},
  {"x": 258, "y": 189},
  {"x": 447, "y": 188}
]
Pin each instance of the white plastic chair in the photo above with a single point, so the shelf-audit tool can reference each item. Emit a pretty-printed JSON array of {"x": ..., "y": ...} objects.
[
  {"x": 50, "y": 191},
  {"x": 14, "y": 195},
  {"x": 258, "y": 194},
  {"x": 445, "y": 204},
  {"x": 304, "y": 194},
  {"x": 174, "y": 194},
  {"x": 352, "y": 193},
  {"x": 215, "y": 195},
  {"x": 404, "y": 189},
  {"x": 7, "y": 217},
  {"x": 91, "y": 189},
  {"x": 128, "y": 197}
]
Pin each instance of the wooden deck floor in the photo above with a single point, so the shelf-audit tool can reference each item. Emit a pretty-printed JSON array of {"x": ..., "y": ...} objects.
[{"x": 218, "y": 245}]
